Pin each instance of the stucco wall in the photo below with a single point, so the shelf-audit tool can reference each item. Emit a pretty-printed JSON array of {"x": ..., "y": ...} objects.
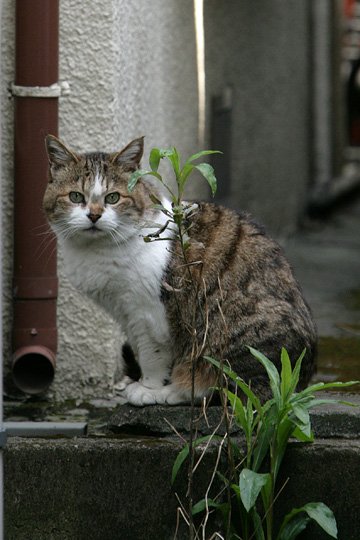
[
  {"x": 7, "y": 202},
  {"x": 132, "y": 70},
  {"x": 262, "y": 51}
]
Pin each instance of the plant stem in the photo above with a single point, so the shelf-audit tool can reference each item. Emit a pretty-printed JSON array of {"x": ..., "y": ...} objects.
[
  {"x": 270, "y": 502},
  {"x": 192, "y": 407}
]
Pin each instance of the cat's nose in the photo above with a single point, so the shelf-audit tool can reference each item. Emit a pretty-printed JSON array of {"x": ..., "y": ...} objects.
[{"x": 94, "y": 217}]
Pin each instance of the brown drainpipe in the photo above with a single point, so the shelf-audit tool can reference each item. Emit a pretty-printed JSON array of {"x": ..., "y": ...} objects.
[{"x": 35, "y": 281}]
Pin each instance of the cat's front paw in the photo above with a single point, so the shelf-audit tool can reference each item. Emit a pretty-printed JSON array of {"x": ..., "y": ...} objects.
[{"x": 137, "y": 394}]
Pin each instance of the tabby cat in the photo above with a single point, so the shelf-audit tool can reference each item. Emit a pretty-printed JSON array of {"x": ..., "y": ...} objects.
[{"x": 235, "y": 290}]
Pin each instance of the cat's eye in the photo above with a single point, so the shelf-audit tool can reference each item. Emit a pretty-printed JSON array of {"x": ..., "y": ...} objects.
[
  {"x": 112, "y": 198},
  {"x": 76, "y": 197}
]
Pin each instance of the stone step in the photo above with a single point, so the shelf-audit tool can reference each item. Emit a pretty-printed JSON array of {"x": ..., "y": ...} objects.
[
  {"x": 120, "y": 489},
  {"x": 118, "y": 486}
]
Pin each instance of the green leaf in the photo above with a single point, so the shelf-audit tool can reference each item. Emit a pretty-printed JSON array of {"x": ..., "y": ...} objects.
[
  {"x": 250, "y": 484},
  {"x": 173, "y": 156},
  {"x": 136, "y": 175},
  {"x": 293, "y": 528},
  {"x": 305, "y": 430},
  {"x": 258, "y": 526},
  {"x": 184, "y": 174},
  {"x": 208, "y": 173},
  {"x": 263, "y": 438},
  {"x": 317, "y": 511},
  {"x": 183, "y": 454},
  {"x": 301, "y": 436},
  {"x": 154, "y": 159},
  {"x": 200, "y": 506},
  {"x": 323, "y": 516},
  {"x": 249, "y": 412},
  {"x": 239, "y": 410},
  {"x": 296, "y": 373},
  {"x": 175, "y": 161},
  {"x": 271, "y": 371},
  {"x": 236, "y": 490},
  {"x": 223, "y": 478},
  {"x": 239, "y": 382},
  {"x": 325, "y": 386},
  {"x": 286, "y": 374},
  {"x": 201, "y": 154},
  {"x": 155, "y": 200},
  {"x": 301, "y": 413},
  {"x": 316, "y": 402},
  {"x": 284, "y": 432}
]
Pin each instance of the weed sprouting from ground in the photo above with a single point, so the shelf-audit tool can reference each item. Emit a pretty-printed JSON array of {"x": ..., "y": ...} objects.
[{"x": 249, "y": 491}]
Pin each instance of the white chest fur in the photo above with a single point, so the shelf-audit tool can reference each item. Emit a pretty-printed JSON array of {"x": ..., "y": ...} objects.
[{"x": 125, "y": 280}]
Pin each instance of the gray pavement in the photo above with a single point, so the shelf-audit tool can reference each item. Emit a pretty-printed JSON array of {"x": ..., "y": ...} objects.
[{"x": 326, "y": 259}]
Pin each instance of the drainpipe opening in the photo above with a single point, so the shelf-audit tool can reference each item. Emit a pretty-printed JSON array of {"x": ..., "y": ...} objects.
[{"x": 33, "y": 369}]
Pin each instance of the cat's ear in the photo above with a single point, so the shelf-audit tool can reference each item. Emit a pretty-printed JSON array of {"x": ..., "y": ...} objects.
[
  {"x": 58, "y": 153},
  {"x": 130, "y": 156}
]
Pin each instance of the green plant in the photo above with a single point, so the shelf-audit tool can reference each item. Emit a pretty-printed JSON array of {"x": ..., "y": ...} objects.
[
  {"x": 267, "y": 429},
  {"x": 177, "y": 218},
  {"x": 251, "y": 492},
  {"x": 179, "y": 211}
]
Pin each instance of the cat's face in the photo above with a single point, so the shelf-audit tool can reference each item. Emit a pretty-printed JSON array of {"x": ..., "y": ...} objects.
[{"x": 87, "y": 197}]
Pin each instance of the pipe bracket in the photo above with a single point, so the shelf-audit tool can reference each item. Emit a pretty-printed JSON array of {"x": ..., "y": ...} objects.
[
  {"x": 55, "y": 90},
  {"x": 35, "y": 287}
]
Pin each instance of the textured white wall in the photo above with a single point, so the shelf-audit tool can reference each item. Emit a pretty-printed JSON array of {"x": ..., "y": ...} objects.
[
  {"x": 132, "y": 72},
  {"x": 7, "y": 202}
]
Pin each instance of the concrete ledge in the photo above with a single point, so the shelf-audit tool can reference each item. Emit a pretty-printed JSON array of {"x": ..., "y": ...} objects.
[
  {"x": 102, "y": 489},
  {"x": 117, "y": 487},
  {"x": 89, "y": 489},
  {"x": 328, "y": 421}
]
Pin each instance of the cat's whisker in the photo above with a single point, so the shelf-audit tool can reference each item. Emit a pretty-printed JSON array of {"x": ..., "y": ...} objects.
[
  {"x": 46, "y": 237},
  {"x": 44, "y": 246},
  {"x": 50, "y": 256},
  {"x": 114, "y": 238},
  {"x": 123, "y": 239},
  {"x": 65, "y": 229},
  {"x": 42, "y": 226}
]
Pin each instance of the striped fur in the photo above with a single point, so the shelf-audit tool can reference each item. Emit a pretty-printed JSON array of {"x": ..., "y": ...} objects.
[{"x": 235, "y": 290}]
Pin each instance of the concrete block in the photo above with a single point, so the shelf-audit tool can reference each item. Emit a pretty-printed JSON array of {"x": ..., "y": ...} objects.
[{"x": 117, "y": 486}]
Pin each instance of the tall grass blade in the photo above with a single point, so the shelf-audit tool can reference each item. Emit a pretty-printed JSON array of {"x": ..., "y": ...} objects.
[
  {"x": 183, "y": 454},
  {"x": 239, "y": 382},
  {"x": 239, "y": 410},
  {"x": 263, "y": 438},
  {"x": 286, "y": 375},
  {"x": 271, "y": 371},
  {"x": 296, "y": 373}
]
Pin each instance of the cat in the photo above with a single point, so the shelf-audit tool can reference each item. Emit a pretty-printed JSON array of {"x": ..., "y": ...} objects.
[{"x": 235, "y": 290}]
